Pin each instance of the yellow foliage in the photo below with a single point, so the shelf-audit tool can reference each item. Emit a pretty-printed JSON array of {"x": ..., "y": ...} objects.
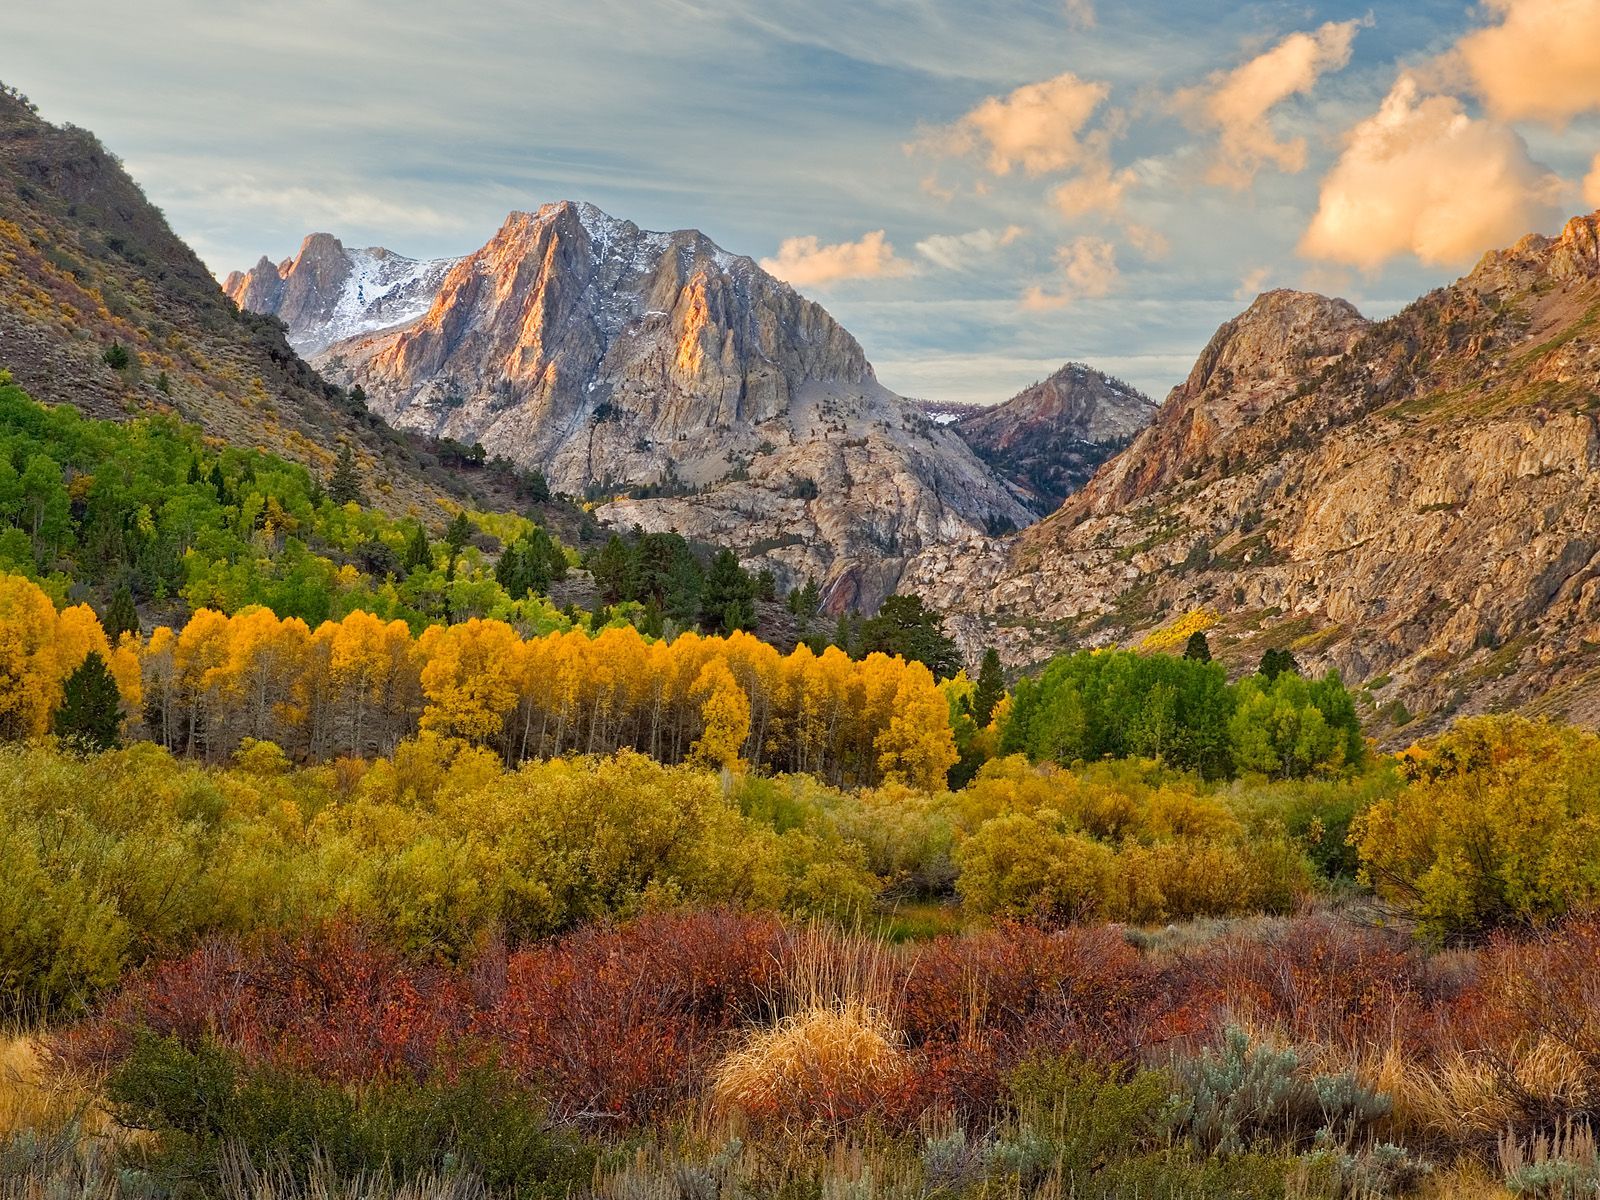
[{"x": 1195, "y": 621}]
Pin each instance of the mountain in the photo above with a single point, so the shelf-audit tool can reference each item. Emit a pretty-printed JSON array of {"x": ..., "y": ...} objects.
[
  {"x": 90, "y": 271},
  {"x": 679, "y": 383},
  {"x": 326, "y": 293},
  {"x": 1415, "y": 501},
  {"x": 1049, "y": 439}
]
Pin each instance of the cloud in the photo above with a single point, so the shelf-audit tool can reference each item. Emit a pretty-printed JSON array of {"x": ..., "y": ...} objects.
[
  {"x": 1089, "y": 265},
  {"x": 1097, "y": 189},
  {"x": 1038, "y": 127},
  {"x": 1591, "y": 185},
  {"x": 1239, "y": 103},
  {"x": 1250, "y": 286},
  {"x": 1422, "y": 177},
  {"x": 806, "y": 262},
  {"x": 959, "y": 251},
  {"x": 1081, "y": 13},
  {"x": 1542, "y": 62}
]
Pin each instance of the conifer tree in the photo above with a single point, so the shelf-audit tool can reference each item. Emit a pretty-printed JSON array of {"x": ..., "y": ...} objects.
[
  {"x": 458, "y": 533},
  {"x": 990, "y": 690},
  {"x": 419, "y": 554},
  {"x": 121, "y": 614},
  {"x": 728, "y": 601},
  {"x": 1198, "y": 648},
  {"x": 344, "y": 485},
  {"x": 91, "y": 709}
]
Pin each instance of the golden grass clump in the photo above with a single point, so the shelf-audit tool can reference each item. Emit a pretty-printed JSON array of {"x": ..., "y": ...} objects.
[{"x": 820, "y": 1067}]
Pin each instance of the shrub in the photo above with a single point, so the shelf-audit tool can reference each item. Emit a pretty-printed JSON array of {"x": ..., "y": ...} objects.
[
  {"x": 824, "y": 1067},
  {"x": 1243, "y": 1095}
]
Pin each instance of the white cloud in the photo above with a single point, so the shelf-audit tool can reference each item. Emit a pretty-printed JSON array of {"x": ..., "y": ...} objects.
[
  {"x": 806, "y": 262},
  {"x": 1422, "y": 177},
  {"x": 1089, "y": 267},
  {"x": 1250, "y": 286},
  {"x": 1239, "y": 103},
  {"x": 1591, "y": 185},
  {"x": 959, "y": 251},
  {"x": 1037, "y": 127},
  {"x": 1081, "y": 13},
  {"x": 1541, "y": 62}
]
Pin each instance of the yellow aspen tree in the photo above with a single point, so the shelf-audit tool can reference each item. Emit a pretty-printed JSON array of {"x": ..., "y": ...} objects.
[
  {"x": 30, "y": 680},
  {"x": 724, "y": 717}
]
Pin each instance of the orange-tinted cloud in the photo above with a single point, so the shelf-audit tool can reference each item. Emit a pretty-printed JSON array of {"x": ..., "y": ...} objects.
[
  {"x": 806, "y": 262},
  {"x": 1422, "y": 177},
  {"x": 1591, "y": 185},
  {"x": 1541, "y": 62},
  {"x": 1089, "y": 268},
  {"x": 1239, "y": 103},
  {"x": 1038, "y": 127}
]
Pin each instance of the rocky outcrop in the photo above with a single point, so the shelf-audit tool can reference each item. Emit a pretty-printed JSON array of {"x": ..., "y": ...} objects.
[
  {"x": 681, "y": 385},
  {"x": 326, "y": 293},
  {"x": 1049, "y": 439},
  {"x": 1415, "y": 502}
]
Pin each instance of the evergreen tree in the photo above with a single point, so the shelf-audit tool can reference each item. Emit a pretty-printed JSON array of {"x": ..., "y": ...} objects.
[
  {"x": 1198, "y": 648},
  {"x": 728, "y": 601},
  {"x": 990, "y": 690},
  {"x": 766, "y": 586},
  {"x": 344, "y": 485},
  {"x": 806, "y": 602},
  {"x": 121, "y": 615},
  {"x": 458, "y": 533},
  {"x": 613, "y": 571},
  {"x": 1276, "y": 662},
  {"x": 907, "y": 627},
  {"x": 418, "y": 554},
  {"x": 116, "y": 356},
  {"x": 91, "y": 708}
]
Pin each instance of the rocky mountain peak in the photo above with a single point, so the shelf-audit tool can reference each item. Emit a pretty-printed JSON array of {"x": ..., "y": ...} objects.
[{"x": 1050, "y": 438}]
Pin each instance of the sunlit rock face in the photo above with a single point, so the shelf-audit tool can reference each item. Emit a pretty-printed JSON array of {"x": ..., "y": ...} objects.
[
  {"x": 656, "y": 368},
  {"x": 1414, "y": 501}
]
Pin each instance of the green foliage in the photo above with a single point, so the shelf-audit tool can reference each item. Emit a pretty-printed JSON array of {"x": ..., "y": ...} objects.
[
  {"x": 907, "y": 627},
  {"x": 116, "y": 356},
  {"x": 728, "y": 602},
  {"x": 991, "y": 687},
  {"x": 1118, "y": 704},
  {"x": 805, "y": 602},
  {"x": 204, "y": 1102},
  {"x": 1197, "y": 647},
  {"x": 344, "y": 485},
  {"x": 121, "y": 615},
  {"x": 90, "y": 715},
  {"x": 1275, "y": 662}
]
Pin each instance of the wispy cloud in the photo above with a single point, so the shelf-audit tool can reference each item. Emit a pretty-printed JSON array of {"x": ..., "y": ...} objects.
[
  {"x": 1089, "y": 269},
  {"x": 962, "y": 251}
]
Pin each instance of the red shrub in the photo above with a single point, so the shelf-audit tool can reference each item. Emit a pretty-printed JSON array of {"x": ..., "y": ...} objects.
[{"x": 627, "y": 1022}]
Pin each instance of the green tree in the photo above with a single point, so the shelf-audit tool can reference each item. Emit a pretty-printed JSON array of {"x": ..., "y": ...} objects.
[
  {"x": 1275, "y": 662},
  {"x": 418, "y": 554},
  {"x": 991, "y": 688},
  {"x": 121, "y": 615},
  {"x": 806, "y": 602},
  {"x": 907, "y": 627},
  {"x": 613, "y": 571},
  {"x": 728, "y": 601},
  {"x": 117, "y": 357},
  {"x": 1197, "y": 649},
  {"x": 344, "y": 485},
  {"x": 91, "y": 708},
  {"x": 458, "y": 533}
]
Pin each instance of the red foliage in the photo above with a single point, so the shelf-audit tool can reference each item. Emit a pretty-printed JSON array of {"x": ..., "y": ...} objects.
[{"x": 628, "y": 1022}]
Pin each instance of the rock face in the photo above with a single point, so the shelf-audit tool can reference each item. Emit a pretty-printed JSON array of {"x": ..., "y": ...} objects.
[
  {"x": 326, "y": 293},
  {"x": 1049, "y": 439},
  {"x": 1415, "y": 501},
  {"x": 681, "y": 384}
]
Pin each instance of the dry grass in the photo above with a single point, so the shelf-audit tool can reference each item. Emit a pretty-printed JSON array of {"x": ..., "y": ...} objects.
[
  {"x": 34, "y": 1097},
  {"x": 821, "y": 1067}
]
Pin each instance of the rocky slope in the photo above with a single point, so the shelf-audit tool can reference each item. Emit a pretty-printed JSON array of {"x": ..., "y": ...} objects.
[
  {"x": 1415, "y": 501},
  {"x": 1049, "y": 439},
  {"x": 326, "y": 293},
  {"x": 86, "y": 262},
  {"x": 686, "y": 388}
]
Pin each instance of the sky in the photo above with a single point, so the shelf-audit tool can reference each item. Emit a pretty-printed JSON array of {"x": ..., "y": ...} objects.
[{"x": 980, "y": 190}]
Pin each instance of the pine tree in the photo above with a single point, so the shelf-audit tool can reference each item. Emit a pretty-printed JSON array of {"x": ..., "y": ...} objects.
[
  {"x": 419, "y": 554},
  {"x": 1198, "y": 648},
  {"x": 728, "y": 601},
  {"x": 458, "y": 533},
  {"x": 613, "y": 571},
  {"x": 907, "y": 627},
  {"x": 344, "y": 485},
  {"x": 990, "y": 690},
  {"x": 91, "y": 708},
  {"x": 121, "y": 614},
  {"x": 1276, "y": 662}
]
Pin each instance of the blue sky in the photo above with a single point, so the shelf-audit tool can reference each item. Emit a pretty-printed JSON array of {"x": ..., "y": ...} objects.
[{"x": 1137, "y": 197}]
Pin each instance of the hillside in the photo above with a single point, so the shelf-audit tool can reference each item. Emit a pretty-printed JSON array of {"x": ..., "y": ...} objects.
[
  {"x": 679, "y": 384},
  {"x": 1414, "y": 501},
  {"x": 1049, "y": 439},
  {"x": 87, "y": 264}
]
